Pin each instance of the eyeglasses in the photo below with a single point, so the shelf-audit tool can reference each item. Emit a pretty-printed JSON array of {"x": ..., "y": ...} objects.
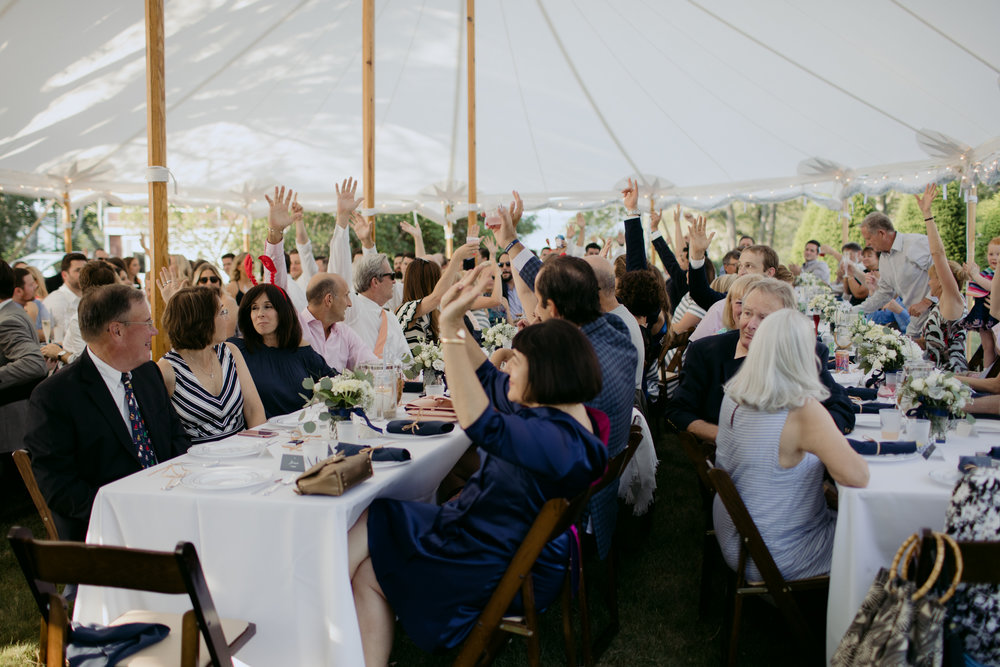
[
  {"x": 146, "y": 323},
  {"x": 204, "y": 280},
  {"x": 504, "y": 263},
  {"x": 383, "y": 276}
]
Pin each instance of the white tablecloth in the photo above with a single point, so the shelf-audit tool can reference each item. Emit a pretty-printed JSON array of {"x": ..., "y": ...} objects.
[
  {"x": 900, "y": 499},
  {"x": 278, "y": 560}
]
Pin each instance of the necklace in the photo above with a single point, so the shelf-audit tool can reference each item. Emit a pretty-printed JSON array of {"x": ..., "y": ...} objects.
[{"x": 210, "y": 372}]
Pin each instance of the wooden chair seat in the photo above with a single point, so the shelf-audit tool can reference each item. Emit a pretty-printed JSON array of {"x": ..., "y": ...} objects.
[{"x": 44, "y": 563}]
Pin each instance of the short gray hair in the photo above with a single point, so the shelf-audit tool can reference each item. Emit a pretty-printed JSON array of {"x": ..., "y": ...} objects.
[
  {"x": 782, "y": 290},
  {"x": 877, "y": 220},
  {"x": 100, "y": 306},
  {"x": 781, "y": 370},
  {"x": 367, "y": 268}
]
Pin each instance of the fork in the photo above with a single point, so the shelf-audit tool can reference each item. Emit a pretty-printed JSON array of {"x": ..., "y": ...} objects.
[{"x": 277, "y": 485}]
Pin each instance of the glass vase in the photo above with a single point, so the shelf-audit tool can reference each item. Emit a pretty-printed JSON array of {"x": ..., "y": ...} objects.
[
  {"x": 433, "y": 382},
  {"x": 939, "y": 426}
]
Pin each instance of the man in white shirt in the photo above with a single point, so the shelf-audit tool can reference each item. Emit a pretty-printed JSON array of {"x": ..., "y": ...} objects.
[
  {"x": 902, "y": 265},
  {"x": 62, "y": 303}
]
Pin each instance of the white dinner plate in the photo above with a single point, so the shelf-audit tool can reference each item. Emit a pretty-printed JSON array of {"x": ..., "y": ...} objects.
[
  {"x": 891, "y": 458},
  {"x": 290, "y": 420},
  {"x": 379, "y": 465},
  {"x": 227, "y": 479},
  {"x": 227, "y": 450},
  {"x": 945, "y": 476}
]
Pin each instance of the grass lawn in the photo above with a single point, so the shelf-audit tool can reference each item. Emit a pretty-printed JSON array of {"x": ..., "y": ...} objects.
[{"x": 659, "y": 574}]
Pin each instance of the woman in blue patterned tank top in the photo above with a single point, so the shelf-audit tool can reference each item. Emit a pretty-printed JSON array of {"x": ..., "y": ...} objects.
[{"x": 208, "y": 380}]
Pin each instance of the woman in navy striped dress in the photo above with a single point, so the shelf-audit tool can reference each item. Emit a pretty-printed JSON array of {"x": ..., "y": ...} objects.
[{"x": 207, "y": 379}]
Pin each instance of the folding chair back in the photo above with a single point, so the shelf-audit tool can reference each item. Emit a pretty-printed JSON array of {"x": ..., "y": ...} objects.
[
  {"x": 678, "y": 342},
  {"x": 22, "y": 459},
  {"x": 774, "y": 584},
  {"x": 46, "y": 562}
]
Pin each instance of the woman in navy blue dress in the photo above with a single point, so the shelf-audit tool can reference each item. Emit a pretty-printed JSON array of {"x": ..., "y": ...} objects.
[
  {"x": 275, "y": 352},
  {"x": 436, "y": 567}
]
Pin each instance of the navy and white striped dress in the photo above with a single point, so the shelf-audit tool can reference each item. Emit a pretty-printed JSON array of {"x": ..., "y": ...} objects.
[
  {"x": 206, "y": 417},
  {"x": 787, "y": 504}
]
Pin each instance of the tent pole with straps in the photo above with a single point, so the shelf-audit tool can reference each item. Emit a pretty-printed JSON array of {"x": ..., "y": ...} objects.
[
  {"x": 472, "y": 219},
  {"x": 368, "y": 104},
  {"x": 156, "y": 131}
]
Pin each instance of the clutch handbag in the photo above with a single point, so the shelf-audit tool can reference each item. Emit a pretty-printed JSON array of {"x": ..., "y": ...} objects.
[{"x": 335, "y": 475}]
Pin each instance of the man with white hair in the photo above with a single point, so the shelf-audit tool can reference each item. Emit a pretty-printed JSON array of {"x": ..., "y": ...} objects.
[{"x": 711, "y": 361}]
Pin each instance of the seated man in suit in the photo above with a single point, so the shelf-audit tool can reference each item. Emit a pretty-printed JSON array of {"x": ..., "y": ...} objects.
[
  {"x": 104, "y": 416},
  {"x": 711, "y": 361},
  {"x": 21, "y": 363}
]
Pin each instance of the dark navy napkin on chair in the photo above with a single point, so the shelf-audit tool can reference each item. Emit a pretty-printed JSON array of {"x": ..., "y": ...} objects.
[
  {"x": 871, "y": 408},
  {"x": 863, "y": 393},
  {"x": 98, "y": 645},
  {"x": 870, "y": 448},
  {"x": 413, "y": 427},
  {"x": 378, "y": 453}
]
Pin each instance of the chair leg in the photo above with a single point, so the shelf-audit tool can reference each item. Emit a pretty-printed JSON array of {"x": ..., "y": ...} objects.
[
  {"x": 567, "y": 619},
  {"x": 56, "y": 635},
  {"x": 610, "y": 631},
  {"x": 709, "y": 562},
  {"x": 735, "y": 619},
  {"x": 531, "y": 621}
]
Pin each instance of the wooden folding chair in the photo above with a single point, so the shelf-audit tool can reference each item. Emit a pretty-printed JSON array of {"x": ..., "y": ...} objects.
[
  {"x": 702, "y": 456},
  {"x": 669, "y": 371},
  {"x": 593, "y": 652},
  {"x": 22, "y": 459},
  {"x": 486, "y": 638},
  {"x": 777, "y": 587},
  {"x": 46, "y": 562}
]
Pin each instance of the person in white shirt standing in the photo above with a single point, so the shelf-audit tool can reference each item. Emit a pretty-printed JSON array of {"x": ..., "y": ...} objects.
[{"x": 62, "y": 303}]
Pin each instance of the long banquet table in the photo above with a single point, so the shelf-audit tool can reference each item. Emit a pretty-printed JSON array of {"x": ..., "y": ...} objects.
[
  {"x": 278, "y": 560},
  {"x": 901, "y": 498}
]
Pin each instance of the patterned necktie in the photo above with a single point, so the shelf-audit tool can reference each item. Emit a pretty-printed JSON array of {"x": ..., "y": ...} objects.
[{"x": 140, "y": 438}]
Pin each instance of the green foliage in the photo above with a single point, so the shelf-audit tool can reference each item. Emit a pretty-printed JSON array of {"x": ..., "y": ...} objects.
[
  {"x": 16, "y": 217},
  {"x": 987, "y": 226}
]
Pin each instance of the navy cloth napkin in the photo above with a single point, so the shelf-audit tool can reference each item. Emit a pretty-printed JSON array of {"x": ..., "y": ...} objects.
[
  {"x": 378, "y": 453},
  {"x": 869, "y": 448},
  {"x": 402, "y": 426},
  {"x": 871, "y": 408},
  {"x": 99, "y": 645},
  {"x": 863, "y": 393}
]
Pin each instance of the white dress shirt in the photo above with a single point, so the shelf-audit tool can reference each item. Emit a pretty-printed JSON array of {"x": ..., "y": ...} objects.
[
  {"x": 61, "y": 304},
  {"x": 903, "y": 271},
  {"x": 113, "y": 380}
]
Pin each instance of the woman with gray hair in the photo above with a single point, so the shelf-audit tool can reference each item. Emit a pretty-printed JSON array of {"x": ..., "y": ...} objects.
[{"x": 775, "y": 438}]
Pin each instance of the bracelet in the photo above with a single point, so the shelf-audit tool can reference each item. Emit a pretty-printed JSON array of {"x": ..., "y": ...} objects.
[
  {"x": 928, "y": 219},
  {"x": 511, "y": 245},
  {"x": 632, "y": 213},
  {"x": 445, "y": 341}
]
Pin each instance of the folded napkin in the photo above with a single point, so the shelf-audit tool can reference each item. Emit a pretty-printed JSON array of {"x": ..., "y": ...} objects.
[
  {"x": 869, "y": 448},
  {"x": 871, "y": 408},
  {"x": 431, "y": 407},
  {"x": 91, "y": 645},
  {"x": 413, "y": 387},
  {"x": 378, "y": 453},
  {"x": 414, "y": 427},
  {"x": 863, "y": 393},
  {"x": 970, "y": 463}
]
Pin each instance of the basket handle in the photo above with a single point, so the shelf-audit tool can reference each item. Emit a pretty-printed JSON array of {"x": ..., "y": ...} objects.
[{"x": 938, "y": 564}]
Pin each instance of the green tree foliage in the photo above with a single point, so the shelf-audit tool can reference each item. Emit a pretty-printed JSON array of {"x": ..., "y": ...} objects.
[
  {"x": 987, "y": 226},
  {"x": 16, "y": 217}
]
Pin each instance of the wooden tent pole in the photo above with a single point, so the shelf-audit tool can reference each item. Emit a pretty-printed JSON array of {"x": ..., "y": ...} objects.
[
  {"x": 845, "y": 222},
  {"x": 156, "y": 133},
  {"x": 368, "y": 102},
  {"x": 970, "y": 224},
  {"x": 449, "y": 233},
  {"x": 470, "y": 44},
  {"x": 67, "y": 222}
]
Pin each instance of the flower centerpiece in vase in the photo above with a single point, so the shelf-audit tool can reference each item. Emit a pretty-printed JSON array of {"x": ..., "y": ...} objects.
[
  {"x": 497, "y": 336},
  {"x": 342, "y": 395},
  {"x": 425, "y": 358},
  {"x": 938, "y": 397},
  {"x": 882, "y": 350}
]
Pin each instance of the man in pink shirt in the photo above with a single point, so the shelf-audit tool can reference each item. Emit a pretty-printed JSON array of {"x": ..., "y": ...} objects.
[{"x": 323, "y": 325}]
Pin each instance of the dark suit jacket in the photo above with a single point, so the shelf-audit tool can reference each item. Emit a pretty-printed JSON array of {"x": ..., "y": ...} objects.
[
  {"x": 709, "y": 364},
  {"x": 21, "y": 363},
  {"x": 79, "y": 442}
]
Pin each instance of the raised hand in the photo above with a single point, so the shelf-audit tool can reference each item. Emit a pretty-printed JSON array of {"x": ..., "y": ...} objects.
[
  {"x": 506, "y": 232},
  {"x": 169, "y": 283},
  {"x": 606, "y": 249},
  {"x": 630, "y": 195},
  {"x": 279, "y": 217},
  {"x": 654, "y": 218},
  {"x": 516, "y": 209},
  {"x": 459, "y": 297},
  {"x": 363, "y": 228},
  {"x": 412, "y": 230},
  {"x": 699, "y": 238},
  {"x": 971, "y": 269},
  {"x": 463, "y": 252},
  {"x": 924, "y": 201},
  {"x": 346, "y": 203},
  {"x": 491, "y": 245},
  {"x": 297, "y": 210}
]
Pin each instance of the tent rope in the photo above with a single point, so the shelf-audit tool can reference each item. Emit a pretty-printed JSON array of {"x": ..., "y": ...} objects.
[{"x": 945, "y": 36}]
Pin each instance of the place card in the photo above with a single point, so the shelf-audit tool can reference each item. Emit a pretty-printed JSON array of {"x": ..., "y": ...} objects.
[
  {"x": 928, "y": 450},
  {"x": 293, "y": 463}
]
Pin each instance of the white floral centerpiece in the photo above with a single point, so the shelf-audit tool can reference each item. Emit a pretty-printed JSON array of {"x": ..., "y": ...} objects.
[
  {"x": 340, "y": 394},
  {"x": 806, "y": 279},
  {"x": 939, "y": 396},
  {"x": 826, "y": 304},
  {"x": 881, "y": 349},
  {"x": 425, "y": 357},
  {"x": 499, "y": 335}
]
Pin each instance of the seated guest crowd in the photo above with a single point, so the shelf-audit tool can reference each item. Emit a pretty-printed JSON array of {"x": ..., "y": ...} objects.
[{"x": 598, "y": 323}]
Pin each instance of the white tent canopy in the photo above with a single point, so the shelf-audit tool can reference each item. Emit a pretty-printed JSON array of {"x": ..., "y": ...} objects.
[{"x": 720, "y": 100}]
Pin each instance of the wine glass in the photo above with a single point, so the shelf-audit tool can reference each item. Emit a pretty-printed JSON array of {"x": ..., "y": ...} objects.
[{"x": 47, "y": 329}]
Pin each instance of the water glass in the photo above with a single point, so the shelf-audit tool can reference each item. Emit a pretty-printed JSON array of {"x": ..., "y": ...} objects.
[
  {"x": 892, "y": 421},
  {"x": 919, "y": 430}
]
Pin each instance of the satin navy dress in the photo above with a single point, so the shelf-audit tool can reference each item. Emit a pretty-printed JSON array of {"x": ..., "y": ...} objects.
[{"x": 438, "y": 566}]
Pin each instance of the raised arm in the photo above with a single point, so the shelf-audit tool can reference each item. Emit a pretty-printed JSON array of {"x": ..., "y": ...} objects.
[
  {"x": 701, "y": 292},
  {"x": 495, "y": 298},
  {"x": 418, "y": 237},
  {"x": 279, "y": 218},
  {"x": 460, "y": 359},
  {"x": 447, "y": 279},
  {"x": 340, "y": 242},
  {"x": 951, "y": 304},
  {"x": 302, "y": 243}
]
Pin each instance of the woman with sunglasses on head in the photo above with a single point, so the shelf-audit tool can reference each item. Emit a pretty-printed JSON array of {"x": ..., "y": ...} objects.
[
  {"x": 207, "y": 379},
  {"x": 274, "y": 350},
  {"x": 207, "y": 275}
]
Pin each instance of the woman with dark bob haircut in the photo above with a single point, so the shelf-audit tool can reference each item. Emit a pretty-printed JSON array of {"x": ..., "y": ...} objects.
[
  {"x": 435, "y": 567},
  {"x": 207, "y": 379},
  {"x": 272, "y": 345}
]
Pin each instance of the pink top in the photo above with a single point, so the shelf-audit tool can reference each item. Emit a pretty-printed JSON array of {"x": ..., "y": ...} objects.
[{"x": 342, "y": 349}]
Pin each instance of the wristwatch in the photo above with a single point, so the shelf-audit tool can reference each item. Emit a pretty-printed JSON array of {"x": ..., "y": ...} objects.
[{"x": 632, "y": 213}]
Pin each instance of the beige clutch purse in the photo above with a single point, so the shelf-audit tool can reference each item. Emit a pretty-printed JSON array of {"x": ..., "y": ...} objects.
[{"x": 335, "y": 475}]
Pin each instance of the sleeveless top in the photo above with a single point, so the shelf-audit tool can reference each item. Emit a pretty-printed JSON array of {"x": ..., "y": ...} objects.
[
  {"x": 787, "y": 504},
  {"x": 416, "y": 330},
  {"x": 206, "y": 417}
]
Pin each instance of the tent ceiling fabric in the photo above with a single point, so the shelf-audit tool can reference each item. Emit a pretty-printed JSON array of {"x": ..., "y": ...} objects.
[{"x": 719, "y": 100}]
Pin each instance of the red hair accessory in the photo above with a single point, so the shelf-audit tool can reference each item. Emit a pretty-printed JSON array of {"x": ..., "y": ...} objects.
[{"x": 268, "y": 264}]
